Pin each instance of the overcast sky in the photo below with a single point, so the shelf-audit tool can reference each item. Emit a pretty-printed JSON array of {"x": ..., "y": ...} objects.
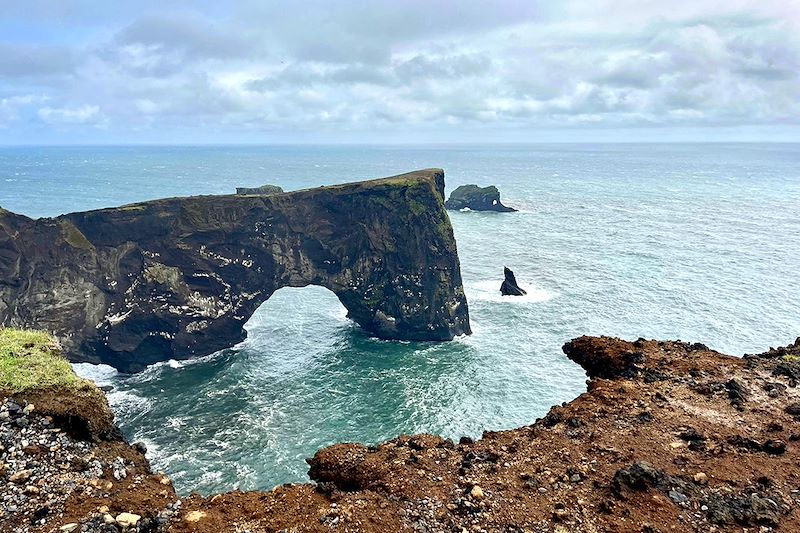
[{"x": 398, "y": 71}]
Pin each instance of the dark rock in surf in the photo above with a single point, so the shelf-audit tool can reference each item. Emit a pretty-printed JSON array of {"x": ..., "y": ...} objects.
[
  {"x": 477, "y": 199},
  {"x": 509, "y": 286}
]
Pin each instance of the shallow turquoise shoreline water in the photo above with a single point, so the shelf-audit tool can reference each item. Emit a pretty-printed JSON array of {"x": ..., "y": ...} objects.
[{"x": 697, "y": 242}]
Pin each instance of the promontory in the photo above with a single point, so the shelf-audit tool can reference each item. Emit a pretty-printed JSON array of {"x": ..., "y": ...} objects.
[{"x": 179, "y": 277}]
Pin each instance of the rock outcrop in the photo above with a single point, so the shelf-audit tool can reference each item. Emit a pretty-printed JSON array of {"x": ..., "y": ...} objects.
[
  {"x": 64, "y": 466},
  {"x": 264, "y": 189},
  {"x": 477, "y": 199},
  {"x": 176, "y": 278},
  {"x": 509, "y": 286},
  {"x": 667, "y": 433}
]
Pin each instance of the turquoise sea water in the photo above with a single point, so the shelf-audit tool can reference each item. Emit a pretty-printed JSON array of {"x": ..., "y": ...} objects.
[{"x": 697, "y": 242}]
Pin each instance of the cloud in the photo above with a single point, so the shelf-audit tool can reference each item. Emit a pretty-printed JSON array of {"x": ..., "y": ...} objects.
[
  {"x": 84, "y": 114},
  {"x": 372, "y": 67},
  {"x": 11, "y": 107},
  {"x": 187, "y": 34},
  {"x": 34, "y": 61}
]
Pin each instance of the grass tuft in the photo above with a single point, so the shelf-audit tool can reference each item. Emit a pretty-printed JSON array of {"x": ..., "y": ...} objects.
[{"x": 31, "y": 360}]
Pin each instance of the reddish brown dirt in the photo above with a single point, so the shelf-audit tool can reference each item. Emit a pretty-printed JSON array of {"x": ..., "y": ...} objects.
[
  {"x": 83, "y": 414},
  {"x": 82, "y": 410},
  {"x": 141, "y": 492},
  {"x": 669, "y": 437}
]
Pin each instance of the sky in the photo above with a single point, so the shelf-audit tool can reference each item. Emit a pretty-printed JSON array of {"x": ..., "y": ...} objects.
[{"x": 398, "y": 71}]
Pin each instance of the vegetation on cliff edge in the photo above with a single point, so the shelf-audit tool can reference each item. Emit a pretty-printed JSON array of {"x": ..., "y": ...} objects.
[{"x": 31, "y": 359}]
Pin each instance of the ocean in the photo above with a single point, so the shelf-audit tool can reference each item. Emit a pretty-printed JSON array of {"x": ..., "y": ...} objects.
[{"x": 699, "y": 242}]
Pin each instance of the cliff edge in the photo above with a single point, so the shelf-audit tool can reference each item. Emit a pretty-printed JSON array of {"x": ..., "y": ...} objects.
[
  {"x": 64, "y": 466},
  {"x": 670, "y": 436},
  {"x": 177, "y": 278}
]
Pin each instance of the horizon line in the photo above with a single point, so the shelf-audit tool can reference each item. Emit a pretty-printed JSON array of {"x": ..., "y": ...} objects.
[{"x": 382, "y": 144}]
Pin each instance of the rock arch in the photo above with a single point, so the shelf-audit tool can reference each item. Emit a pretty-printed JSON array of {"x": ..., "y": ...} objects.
[{"x": 176, "y": 278}]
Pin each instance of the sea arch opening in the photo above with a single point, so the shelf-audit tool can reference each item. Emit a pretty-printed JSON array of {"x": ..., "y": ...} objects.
[{"x": 302, "y": 315}]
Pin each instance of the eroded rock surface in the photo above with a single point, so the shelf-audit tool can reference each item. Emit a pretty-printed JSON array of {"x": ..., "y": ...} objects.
[{"x": 176, "y": 278}]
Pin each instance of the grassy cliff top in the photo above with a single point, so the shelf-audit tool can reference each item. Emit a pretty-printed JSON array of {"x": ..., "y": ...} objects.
[{"x": 31, "y": 360}]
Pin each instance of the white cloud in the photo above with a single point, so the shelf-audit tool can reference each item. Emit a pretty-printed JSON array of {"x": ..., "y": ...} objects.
[
  {"x": 11, "y": 107},
  {"x": 446, "y": 64},
  {"x": 84, "y": 114}
]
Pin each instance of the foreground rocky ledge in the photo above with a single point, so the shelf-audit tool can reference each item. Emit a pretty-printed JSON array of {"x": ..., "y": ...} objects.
[
  {"x": 669, "y": 436},
  {"x": 177, "y": 278}
]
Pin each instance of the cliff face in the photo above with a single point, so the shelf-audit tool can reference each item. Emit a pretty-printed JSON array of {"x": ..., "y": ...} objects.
[{"x": 176, "y": 278}]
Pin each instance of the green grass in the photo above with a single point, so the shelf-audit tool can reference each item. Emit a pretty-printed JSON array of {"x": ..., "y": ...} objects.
[
  {"x": 74, "y": 237},
  {"x": 31, "y": 360},
  {"x": 791, "y": 358}
]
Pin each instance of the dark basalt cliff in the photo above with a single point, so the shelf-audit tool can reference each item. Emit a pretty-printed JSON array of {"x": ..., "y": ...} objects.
[{"x": 176, "y": 278}]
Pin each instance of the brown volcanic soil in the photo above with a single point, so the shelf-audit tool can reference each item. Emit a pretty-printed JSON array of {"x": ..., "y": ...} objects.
[
  {"x": 64, "y": 460},
  {"x": 669, "y": 437}
]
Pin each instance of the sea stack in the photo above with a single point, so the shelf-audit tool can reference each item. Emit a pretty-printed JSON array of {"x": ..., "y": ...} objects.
[
  {"x": 509, "y": 286},
  {"x": 477, "y": 198}
]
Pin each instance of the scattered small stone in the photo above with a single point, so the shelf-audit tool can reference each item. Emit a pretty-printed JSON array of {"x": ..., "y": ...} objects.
[
  {"x": 21, "y": 476},
  {"x": 774, "y": 447},
  {"x": 127, "y": 520},
  {"x": 118, "y": 469},
  {"x": 737, "y": 393},
  {"x": 677, "y": 497},
  {"x": 194, "y": 516},
  {"x": 793, "y": 409},
  {"x": 68, "y": 528},
  {"x": 476, "y": 493}
]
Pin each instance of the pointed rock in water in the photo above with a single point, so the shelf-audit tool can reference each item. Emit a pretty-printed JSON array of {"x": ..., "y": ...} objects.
[
  {"x": 264, "y": 189},
  {"x": 477, "y": 199},
  {"x": 509, "y": 286}
]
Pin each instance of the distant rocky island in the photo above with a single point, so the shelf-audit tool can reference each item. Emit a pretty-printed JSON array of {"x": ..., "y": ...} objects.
[
  {"x": 668, "y": 433},
  {"x": 178, "y": 278},
  {"x": 477, "y": 198}
]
